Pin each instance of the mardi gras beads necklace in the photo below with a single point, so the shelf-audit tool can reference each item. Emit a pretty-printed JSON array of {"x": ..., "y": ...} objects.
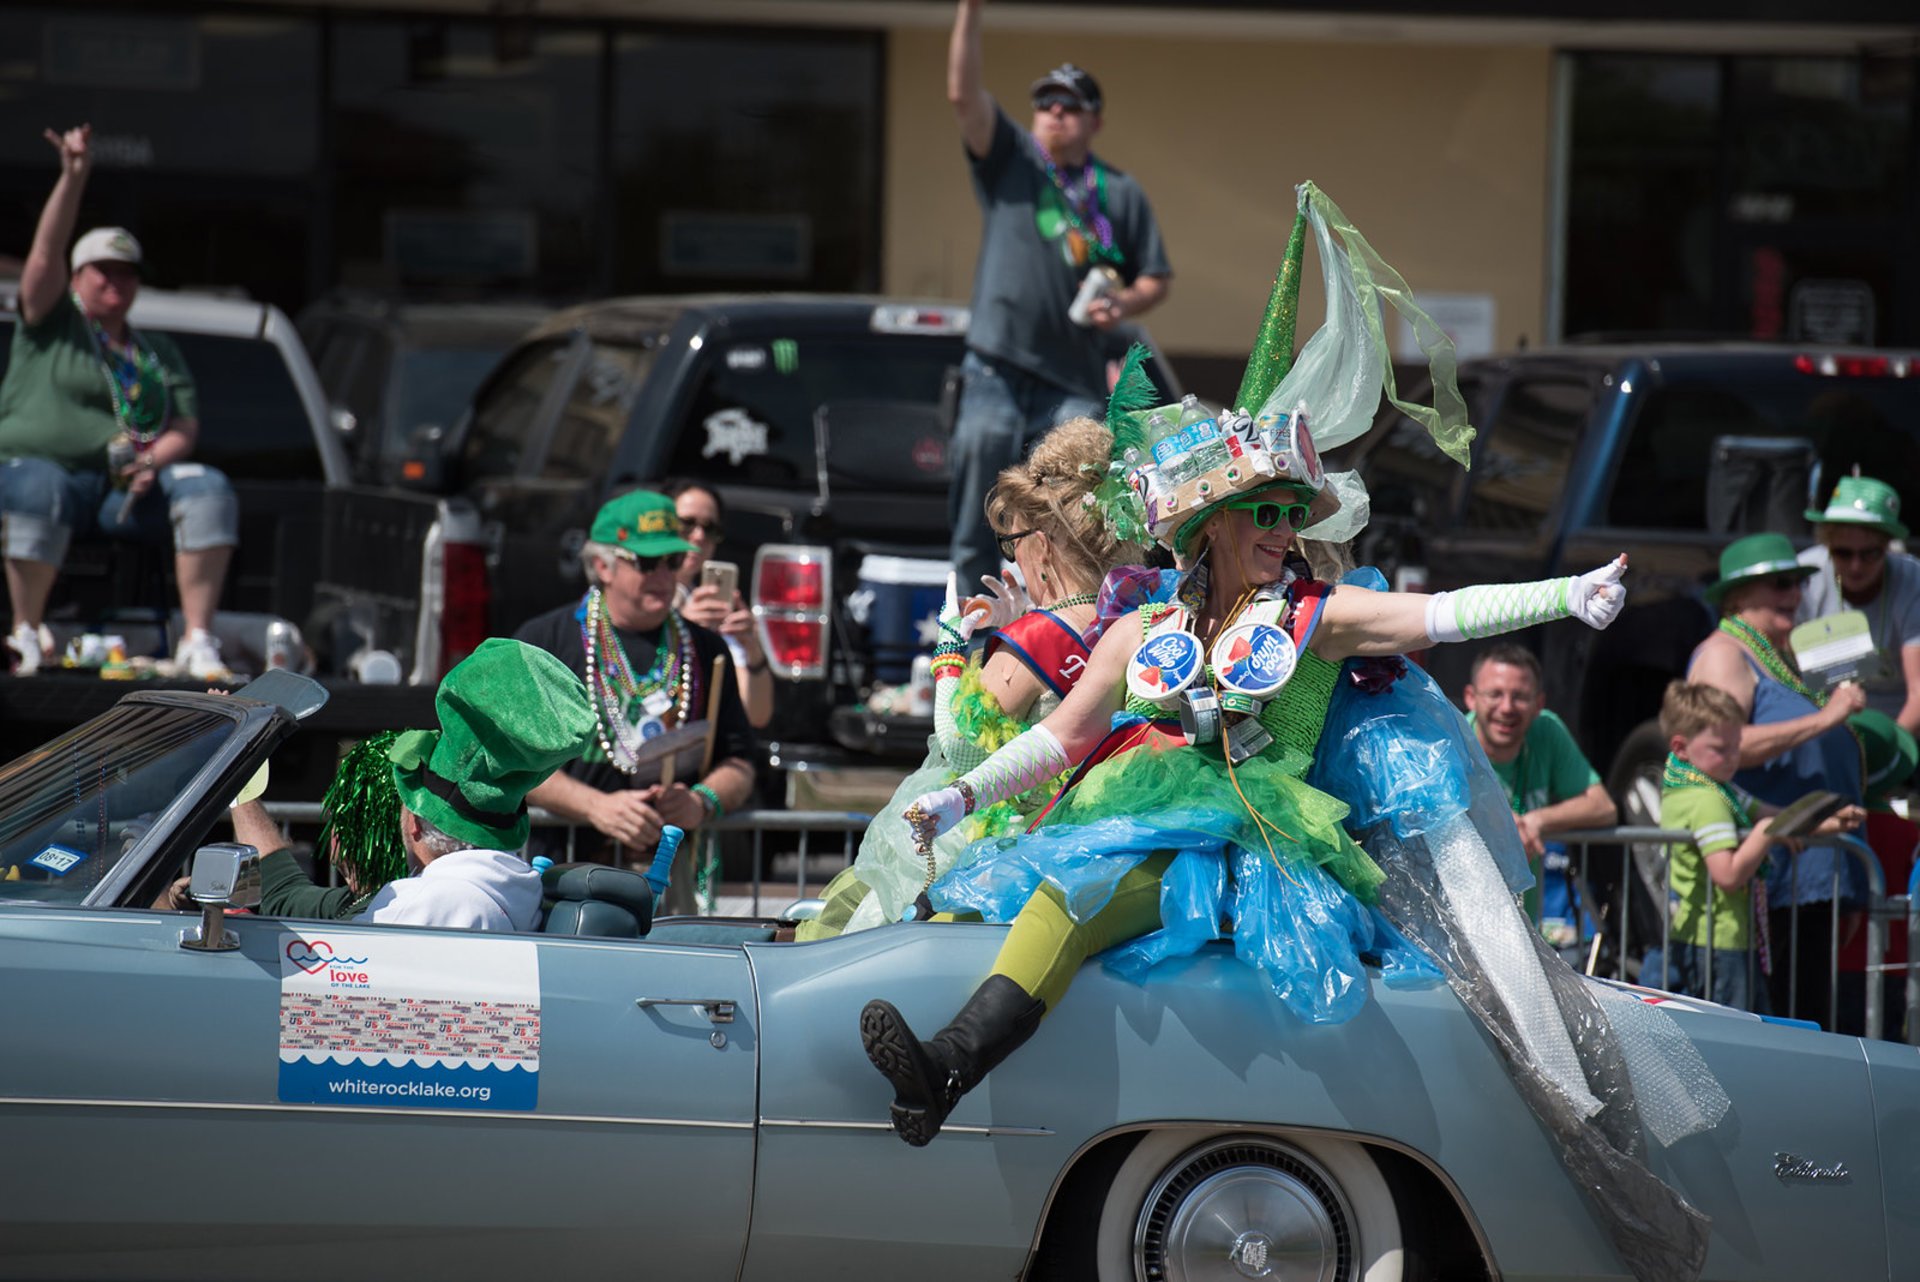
[
  {"x": 1681, "y": 773},
  {"x": 1777, "y": 667},
  {"x": 134, "y": 412},
  {"x": 668, "y": 684},
  {"x": 1084, "y": 202}
]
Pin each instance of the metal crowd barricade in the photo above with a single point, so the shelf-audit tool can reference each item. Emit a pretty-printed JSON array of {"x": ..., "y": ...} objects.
[
  {"x": 1882, "y": 910},
  {"x": 805, "y": 823}
]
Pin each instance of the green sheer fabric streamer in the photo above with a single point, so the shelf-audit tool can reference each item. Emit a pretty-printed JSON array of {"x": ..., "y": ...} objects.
[
  {"x": 1194, "y": 790},
  {"x": 1376, "y": 279}
]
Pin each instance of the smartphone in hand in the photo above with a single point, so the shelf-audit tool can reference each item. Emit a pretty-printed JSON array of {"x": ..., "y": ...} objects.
[{"x": 724, "y": 575}]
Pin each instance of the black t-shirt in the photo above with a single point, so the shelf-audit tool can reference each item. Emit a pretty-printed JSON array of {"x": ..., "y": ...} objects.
[
  {"x": 558, "y": 633},
  {"x": 1032, "y": 260}
]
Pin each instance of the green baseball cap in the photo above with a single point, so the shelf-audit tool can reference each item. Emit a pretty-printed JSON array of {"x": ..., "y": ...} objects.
[
  {"x": 640, "y": 522},
  {"x": 1861, "y": 500},
  {"x": 1755, "y": 557},
  {"x": 1887, "y": 750},
  {"x": 510, "y": 715}
]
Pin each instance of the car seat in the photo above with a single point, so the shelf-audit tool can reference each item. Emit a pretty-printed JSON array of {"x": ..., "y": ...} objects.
[{"x": 596, "y": 901}]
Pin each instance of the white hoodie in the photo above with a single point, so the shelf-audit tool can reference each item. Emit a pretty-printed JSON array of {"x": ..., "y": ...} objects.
[{"x": 469, "y": 889}]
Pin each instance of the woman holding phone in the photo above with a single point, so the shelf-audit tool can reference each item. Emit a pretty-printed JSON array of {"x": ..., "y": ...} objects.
[{"x": 709, "y": 593}]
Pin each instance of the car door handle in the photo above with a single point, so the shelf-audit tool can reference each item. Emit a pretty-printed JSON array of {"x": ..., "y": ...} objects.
[{"x": 717, "y": 1009}]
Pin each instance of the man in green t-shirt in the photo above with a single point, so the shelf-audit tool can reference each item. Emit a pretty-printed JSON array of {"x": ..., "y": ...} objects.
[
  {"x": 97, "y": 421},
  {"x": 1549, "y": 783}
]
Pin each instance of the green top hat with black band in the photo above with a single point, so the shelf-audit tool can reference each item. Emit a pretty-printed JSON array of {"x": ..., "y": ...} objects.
[
  {"x": 1887, "y": 750},
  {"x": 640, "y": 522},
  {"x": 1755, "y": 557},
  {"x": 1861, "y": 500},
  {"x": 510, "y": 715}
]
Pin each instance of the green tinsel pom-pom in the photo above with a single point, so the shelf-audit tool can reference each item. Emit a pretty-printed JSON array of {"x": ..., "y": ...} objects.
[{"x": 360, "y": 816}]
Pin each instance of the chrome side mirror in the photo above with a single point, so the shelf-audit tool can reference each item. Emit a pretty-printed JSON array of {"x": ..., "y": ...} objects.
[{"x": 225, "y": 875}]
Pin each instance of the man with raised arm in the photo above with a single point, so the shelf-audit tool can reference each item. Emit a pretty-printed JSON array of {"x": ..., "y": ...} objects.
[{"x": 1052, "y": 215}]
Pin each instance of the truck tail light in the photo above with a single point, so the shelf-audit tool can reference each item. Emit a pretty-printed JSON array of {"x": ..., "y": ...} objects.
[
  {"x": 792, "y": 605},
  {"x": 1853, "y": 365},
  {"x": 464, "y": 605},
  {"x": 455, "y": 597}
]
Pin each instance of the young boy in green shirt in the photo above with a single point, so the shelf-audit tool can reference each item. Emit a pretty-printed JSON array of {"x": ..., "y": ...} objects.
[{"x": 1702, "y": 724}]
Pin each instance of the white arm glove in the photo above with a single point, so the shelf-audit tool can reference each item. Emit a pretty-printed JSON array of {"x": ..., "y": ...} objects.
[
  {"x": 1595, "y": 598},
  {"x": 1029, "y": 760}
]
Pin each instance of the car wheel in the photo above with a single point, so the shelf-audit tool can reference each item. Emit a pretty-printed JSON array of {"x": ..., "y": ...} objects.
[{"x": 1186, "y": 1206}]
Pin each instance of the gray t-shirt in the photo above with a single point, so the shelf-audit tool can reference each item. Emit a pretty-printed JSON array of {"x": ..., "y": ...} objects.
[
  {"x": 1032, "y": 259},
  {"x": 1893, "y": 618}
]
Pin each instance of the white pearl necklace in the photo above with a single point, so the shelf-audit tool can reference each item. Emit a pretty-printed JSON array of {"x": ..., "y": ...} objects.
[{"x": 610, "y": 708}]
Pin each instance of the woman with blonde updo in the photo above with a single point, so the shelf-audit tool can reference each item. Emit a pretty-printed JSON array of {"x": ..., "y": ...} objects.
[{"x": 1046, "y": 525}]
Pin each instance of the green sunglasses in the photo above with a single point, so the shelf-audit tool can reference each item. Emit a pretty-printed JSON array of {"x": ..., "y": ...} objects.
[{"x": 1267, "y": 513}]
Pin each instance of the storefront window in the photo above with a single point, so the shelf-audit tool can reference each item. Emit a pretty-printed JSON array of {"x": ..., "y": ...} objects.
[
  {"x": 1640, "y": 217},
  {"x": 748, "y": 160},
  {"x": 465, "y": 153}
]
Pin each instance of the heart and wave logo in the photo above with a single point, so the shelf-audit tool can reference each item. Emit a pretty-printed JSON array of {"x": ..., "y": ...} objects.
[{"x": 315, "y": 955}]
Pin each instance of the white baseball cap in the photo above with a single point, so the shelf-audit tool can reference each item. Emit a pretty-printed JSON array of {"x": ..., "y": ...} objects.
[{"x": 106, "y": 245}]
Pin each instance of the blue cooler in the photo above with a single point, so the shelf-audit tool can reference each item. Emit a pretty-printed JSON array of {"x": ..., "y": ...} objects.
[{"x": 906, "y": 594}]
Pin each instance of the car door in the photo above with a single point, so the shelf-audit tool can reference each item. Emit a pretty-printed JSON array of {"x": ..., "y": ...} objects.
[{"x": 335, "y": 1099}]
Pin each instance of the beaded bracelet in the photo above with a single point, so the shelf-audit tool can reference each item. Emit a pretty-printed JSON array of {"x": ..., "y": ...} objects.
[
  {"x": 946, "y": 665},
  {"x": 712, "y": 799}
]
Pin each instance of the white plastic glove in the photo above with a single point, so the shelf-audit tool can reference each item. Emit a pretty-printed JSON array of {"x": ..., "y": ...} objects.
[
  {"x": 1598, "y": 596},
  {"x": 1005, "y": 601},
  {"x": 932, "y": 813},
  {"x": 952, "y": 620}
]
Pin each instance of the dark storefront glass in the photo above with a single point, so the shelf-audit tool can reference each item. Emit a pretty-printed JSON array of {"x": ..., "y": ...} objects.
[
  {"x": 1640, "y": 209},
  {"x": 1758, "y": 197},
  {"x": 464, "y": 154},
  {"x": 204, "y": 133},
  {"x": 745, "y": 161}
]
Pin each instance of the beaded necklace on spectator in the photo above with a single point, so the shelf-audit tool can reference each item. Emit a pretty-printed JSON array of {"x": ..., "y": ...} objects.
[
  {"x": 1085, "y": 209},
  {"x": 1777, "y": 667},
  {"x": 125, "y": 376},
  {"x": 1681, "y": 773},
  {"x": 610, "y": 677}
]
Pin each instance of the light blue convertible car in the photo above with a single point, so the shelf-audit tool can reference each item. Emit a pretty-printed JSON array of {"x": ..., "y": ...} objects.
[{"x": 327, "y": 1100}]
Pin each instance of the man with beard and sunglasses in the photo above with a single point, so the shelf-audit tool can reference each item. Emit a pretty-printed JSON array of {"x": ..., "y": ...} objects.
[
  {"x": 1052, "y": 215},
  {"x": 649, "y": 674}
]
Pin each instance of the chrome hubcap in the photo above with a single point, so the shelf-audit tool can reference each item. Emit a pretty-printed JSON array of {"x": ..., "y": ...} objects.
[{"x": 1245, "y": 1207}]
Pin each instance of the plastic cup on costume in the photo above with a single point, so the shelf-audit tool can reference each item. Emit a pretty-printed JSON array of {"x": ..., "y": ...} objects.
[
  {"x": 1255, "y": 657},
  {"x": 1164, "y": 666}
]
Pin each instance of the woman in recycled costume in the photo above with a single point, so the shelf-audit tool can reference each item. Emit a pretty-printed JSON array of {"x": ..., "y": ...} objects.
[
  {"x": 1048, "y": 527},
  {"x": 1166, "y": 826}
]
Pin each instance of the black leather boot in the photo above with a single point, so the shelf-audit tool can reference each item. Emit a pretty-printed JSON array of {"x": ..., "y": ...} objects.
[{"x": 930, "y": 1077}]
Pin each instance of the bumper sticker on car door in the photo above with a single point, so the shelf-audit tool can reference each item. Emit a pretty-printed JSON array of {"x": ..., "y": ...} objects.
[{"x": 409, "y": 1022}]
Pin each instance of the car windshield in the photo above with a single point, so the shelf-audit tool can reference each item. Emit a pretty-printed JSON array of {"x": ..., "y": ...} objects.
[
  {"x": 434, "y": 385},
  {"x": 756, "y": 399},
  {"x": 79, "y": 804}
]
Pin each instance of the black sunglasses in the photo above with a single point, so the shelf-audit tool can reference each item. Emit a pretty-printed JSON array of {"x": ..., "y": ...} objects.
[
  {"x": 1007, "y": 541},
  {"x": 1267, "y": 513},
  {"x": 648, "y": 564},
  {"x": 1064, "y": 101},
  {"x": 1868, "y": 555},
  {"x": 1787, "y": 582},
  {"x": 688, "y": 524}
]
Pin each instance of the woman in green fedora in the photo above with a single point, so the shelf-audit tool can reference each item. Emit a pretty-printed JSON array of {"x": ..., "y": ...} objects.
[
  {"x": 1796, "y": 741},
  {"x": 1856, "y": 568}
]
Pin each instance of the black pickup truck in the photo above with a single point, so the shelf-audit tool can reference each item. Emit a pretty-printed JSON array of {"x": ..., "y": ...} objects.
[
  {"x": 821, "y": 421},
  {"x": 1666, "y": 451}
]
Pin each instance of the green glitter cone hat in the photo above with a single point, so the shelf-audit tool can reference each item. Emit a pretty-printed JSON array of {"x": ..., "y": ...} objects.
[
  {"x": 510, "y": 715},
  {"x": 1175, "y": 464}
]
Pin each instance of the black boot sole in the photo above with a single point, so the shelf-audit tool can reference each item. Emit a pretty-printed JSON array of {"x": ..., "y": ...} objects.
[{"x": 895, "y": 1051}]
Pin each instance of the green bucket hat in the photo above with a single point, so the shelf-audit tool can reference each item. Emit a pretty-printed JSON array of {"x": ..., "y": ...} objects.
[
  {"x": 640, "y": 522},
  {"x": 1888, "y": 751},
  {"x": 1861, "y": 500},
  {"x": 510, "y": 715},
  {"x": 1755, "y": 557}
]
